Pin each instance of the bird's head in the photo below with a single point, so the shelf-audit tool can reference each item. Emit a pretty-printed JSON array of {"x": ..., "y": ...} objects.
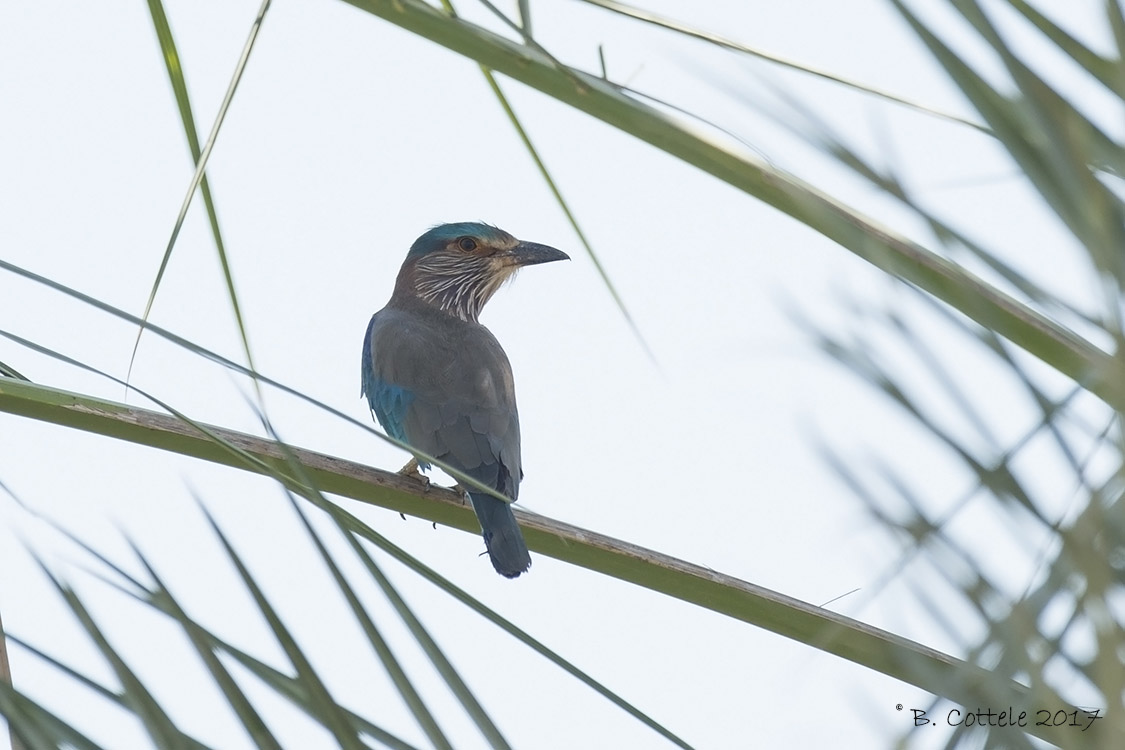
[{"x": 458, "y": 267}]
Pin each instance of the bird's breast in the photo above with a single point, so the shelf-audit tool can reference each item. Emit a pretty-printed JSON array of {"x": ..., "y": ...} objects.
[{"x": 442, "y": 359}]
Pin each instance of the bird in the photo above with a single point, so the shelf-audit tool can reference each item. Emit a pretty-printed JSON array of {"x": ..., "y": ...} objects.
[{"x": 439, "y": 381}]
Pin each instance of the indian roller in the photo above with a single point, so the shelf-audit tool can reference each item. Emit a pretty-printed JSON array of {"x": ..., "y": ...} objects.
[{"x": 439, "y": 381}]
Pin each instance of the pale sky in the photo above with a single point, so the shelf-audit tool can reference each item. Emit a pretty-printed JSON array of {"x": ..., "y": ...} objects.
[{"x": 347, "y": 139}]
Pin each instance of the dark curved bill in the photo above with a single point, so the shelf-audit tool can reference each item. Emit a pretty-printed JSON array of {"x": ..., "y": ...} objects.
[{"x": 530, "y": 254}]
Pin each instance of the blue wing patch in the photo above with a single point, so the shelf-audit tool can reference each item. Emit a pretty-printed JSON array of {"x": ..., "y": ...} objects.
[{"x": 389, "y": 402}]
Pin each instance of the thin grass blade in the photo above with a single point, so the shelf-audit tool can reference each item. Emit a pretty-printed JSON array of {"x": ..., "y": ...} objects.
[
  {"x": 291, "y": 688},
  {"x": 8, "y": 371},
  {"x": 683, "y": 29},
  {"x": 199, "y": 157},
  {"x": 395, "y": 671},
  {"x": 135, "y": 696},
  {"x": 33, "y": 727},
  {"x": 330, "y": 713},
  {"x": 554, "y": 188},
  {"x": 1106, "y": 71},
  {"x": 251, "y": 720}
]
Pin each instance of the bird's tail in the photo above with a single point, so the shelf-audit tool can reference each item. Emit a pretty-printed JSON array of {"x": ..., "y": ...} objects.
[{"x": 502, "y": 536}]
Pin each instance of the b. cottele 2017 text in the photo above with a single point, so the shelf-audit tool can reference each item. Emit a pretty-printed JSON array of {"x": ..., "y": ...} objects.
[{"x": 1081, "y": 718}]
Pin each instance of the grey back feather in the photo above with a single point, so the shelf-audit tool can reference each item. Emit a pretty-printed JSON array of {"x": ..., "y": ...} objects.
[{"x": 463, "y": 410}]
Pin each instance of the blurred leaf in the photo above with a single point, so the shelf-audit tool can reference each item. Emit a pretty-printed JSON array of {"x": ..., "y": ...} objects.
[
  {"x": 135, "y": 696},
  {"x": 719, "y": 41},
  {"x": 329, "y": 713},
  {"x": 1107, "y": 71},
  {"x": 206, "y": 642},
  {"x": 441, "y": 663},
  {"x": 239, "y": 703},
  {"x": 35, "y": 727},
  {"x": 395, "y": 671},
  {"x": 1050, "y": 140}
]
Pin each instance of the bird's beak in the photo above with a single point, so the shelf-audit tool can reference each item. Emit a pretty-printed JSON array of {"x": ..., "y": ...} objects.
[{"x": 531, "y": 254}]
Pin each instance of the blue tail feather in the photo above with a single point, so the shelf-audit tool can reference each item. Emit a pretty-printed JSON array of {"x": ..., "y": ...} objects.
[{"x": 502, "y": 535}]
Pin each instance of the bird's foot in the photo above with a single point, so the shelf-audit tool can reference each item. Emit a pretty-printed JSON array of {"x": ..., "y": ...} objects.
[
  {"x": 411, "y": 471},
  {"x": 464, "y": 493}
]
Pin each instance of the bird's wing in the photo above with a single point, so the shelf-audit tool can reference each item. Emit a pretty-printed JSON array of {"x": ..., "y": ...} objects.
[
  {"x": 449, "y": 392},
  {"x": 388, "y": 401}
]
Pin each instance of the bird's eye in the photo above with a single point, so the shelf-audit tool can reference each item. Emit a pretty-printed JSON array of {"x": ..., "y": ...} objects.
[{"x": 468, "y": 244}]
